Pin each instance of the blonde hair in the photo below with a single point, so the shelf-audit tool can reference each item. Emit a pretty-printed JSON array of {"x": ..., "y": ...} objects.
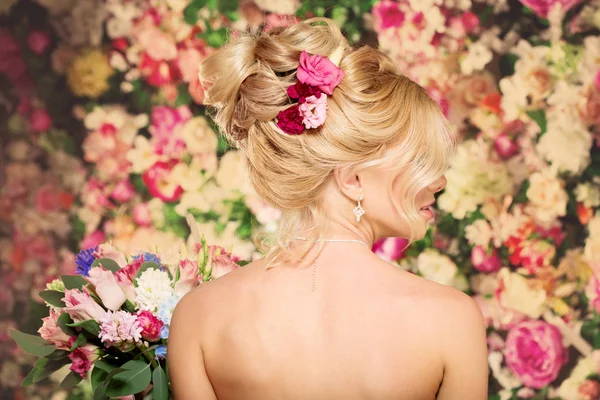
[{"x": 374, "y": 109}]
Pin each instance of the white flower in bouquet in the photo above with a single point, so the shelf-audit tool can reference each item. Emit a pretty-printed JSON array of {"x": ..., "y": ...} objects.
[
  {"x": 588, "y": 194},
  {"x": 153, "y": 288},
  {"x": 592, "y": 243},
  {"x": 472, "y": 179}
]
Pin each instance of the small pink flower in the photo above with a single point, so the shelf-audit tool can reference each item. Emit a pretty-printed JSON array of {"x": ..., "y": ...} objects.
[
  {"x": 105, "y": 250},
  {"x": 83, "y": 357},
  {"x": 188, "y": 61},
  {"x": 157, "y": 73},
  {"x": 92, "y": 240},
  {"x": 534, "y": 353},
  {"x": 543, "y": 7},
  {"x": 470, "y": 21},
  {"x": 106, "y": 287},
  {"x": 196, "y": 90},
  {"x": 319, "y": 71},
  {"x": 188, "y": 277},
  {"x": 39, "y": 120},
  {"x": 141, "y": 214},
  {"x": 592, "y": 292},
  {"x": 390, "y": 249},
  {"x": 220, "y": 261},
  {"x": 505, "y": 147},
  {"x": 485, "y": 261},
  {"x": 81, "y": 307},
  {"x": 46, "y": 199},
  {"x": 150, "y": 325},
  {"x": 52, "y": 333},
  {"x": 166, "y": 119},
  {"x": 120, "y": 329},
  {"x": 123, "y": 191},
  {"x": 387, "y": 14},
  {"x": 158, "y": 181},
  {"x": 38, "y": 41},
  {"x": 314, "y": 111},
  {"x": 157, "y": 43},
  {"x": 274, "y": 20},
  {"x": 589, "y": 390}
]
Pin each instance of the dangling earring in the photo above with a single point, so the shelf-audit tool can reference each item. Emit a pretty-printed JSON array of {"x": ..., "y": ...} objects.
[{"x": 359, "y": 211}]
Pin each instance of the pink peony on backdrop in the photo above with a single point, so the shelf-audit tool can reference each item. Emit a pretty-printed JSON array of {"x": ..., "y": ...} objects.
[{"x": 104, "y": 138}]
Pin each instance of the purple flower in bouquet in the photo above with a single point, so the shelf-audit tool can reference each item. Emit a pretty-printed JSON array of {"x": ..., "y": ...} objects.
[
  {"x": 148, "y": 257},
  {"x": 164, "y": 332},
  {"x": 84, "y": 260}
]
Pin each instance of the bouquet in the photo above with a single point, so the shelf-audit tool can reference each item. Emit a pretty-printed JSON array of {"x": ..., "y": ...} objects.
[{"x": 112, "y": 318}]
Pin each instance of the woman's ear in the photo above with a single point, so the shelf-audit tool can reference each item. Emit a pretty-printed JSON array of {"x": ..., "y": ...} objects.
[{"x": 349, "y": 183}]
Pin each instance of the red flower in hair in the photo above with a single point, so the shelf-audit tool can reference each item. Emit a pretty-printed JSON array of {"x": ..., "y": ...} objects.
[
  {"x": 301, "y": 91},
  {"x": 290, "y": 121}
]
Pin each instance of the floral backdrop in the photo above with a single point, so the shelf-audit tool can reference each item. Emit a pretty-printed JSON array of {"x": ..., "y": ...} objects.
[{"x": 103, "y": 138}]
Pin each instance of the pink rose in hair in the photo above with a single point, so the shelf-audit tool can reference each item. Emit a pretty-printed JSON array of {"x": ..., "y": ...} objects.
[
  {"x": 81, "y": 307},
  {"x": 51, "y": 332},
  {"x": 290, "y": 121},
  {"x": 38, "y": 41},
  {"x": 534, "y": 353},
  {"x": 150, "y": 325},
  {"x": 83, "y": 357},
  {"x": 387, "y": 14},
  {"x": 314, "y": 111},
  {"x": 485, "y": 261},
  {"x": 319, "y": 71},
  {"x": 543, "y": 7}
]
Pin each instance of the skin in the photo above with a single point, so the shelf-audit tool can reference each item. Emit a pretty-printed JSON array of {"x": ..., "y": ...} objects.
[{"x": 369, "y": 330}]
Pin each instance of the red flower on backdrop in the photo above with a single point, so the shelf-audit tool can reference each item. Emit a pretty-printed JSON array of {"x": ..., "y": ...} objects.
[{"x": 159, "y": 183}]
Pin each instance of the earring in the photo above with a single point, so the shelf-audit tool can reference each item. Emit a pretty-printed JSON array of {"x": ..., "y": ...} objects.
[{"x": 359, "y": 211}]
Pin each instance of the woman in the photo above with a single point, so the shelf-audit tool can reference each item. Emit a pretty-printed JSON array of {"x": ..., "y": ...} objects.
[{"x": 351, "y": 151}]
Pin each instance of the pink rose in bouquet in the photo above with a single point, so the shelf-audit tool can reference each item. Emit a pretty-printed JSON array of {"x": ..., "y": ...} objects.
[
  {"x": 150, "y": 325},
  {"x": 543, "y": 7},
  {"x": 534, "y": 353},
  {"x": 188, "y": 277},
  {"x": 126, "y": 275},
  {"x": 106, "y": 287},
  {"x": 319, "y": 71},
  {"x": 105, "y": 250},
  {"x": 52, "y": 333},
  {"x": 220, "y": 261},
  {"x": 81, "y": 307},
  {"x": 83, "y": 358},
  {"x": 387, "y": 14},
  {"x": 38, "y": 41},
  {"x": 485, "y": 261}
]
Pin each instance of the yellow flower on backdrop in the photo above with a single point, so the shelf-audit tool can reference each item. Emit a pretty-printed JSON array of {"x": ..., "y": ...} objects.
[{"x": 89, "y": 72}]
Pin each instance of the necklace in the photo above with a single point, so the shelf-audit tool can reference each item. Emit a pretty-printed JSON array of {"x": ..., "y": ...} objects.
[{"x": 314, "y": 264}]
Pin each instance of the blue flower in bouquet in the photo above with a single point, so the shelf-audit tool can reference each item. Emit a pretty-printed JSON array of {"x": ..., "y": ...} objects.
[
  {"x": 148, "y": 257},
  {"x": 84, "y": 260},
  {"x": 164, "y": 332},
  {"x": 165, "y": 309},
  {"x": 161, "y": 351}
]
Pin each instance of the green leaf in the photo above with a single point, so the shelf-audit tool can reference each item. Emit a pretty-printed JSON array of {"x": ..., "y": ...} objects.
[
  {"x": 45, "y": 368},
  {"x": 32, "y": 344},
  {"x": 106, "y": 263},
  {"x": 88, "y": 325},
  {"x": 160, "y": 384},
  {"x": 29, "y": 378},
  {"x": 80, "y": 341},
  {"x": 73, "y": 281},
  {"x": 190, "y": 14},
  {"x": 539, "y": 116},
  {"x": 53, "y": 297},
  {"x": 145, "y": 266},
  {"x": 97, "y": 377},
  {"x": 134, "y": 379},
  {"x": 100, "y": 391},
  {"x": 58, "y": 355},
  {"x": 507, "y": 64},
  {"x": 63, "y": 322},
  {"x": 71, "y": 380}
]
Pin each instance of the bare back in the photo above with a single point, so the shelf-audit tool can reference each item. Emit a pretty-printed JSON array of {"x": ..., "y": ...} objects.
[{"x": 368, "y": 331}]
